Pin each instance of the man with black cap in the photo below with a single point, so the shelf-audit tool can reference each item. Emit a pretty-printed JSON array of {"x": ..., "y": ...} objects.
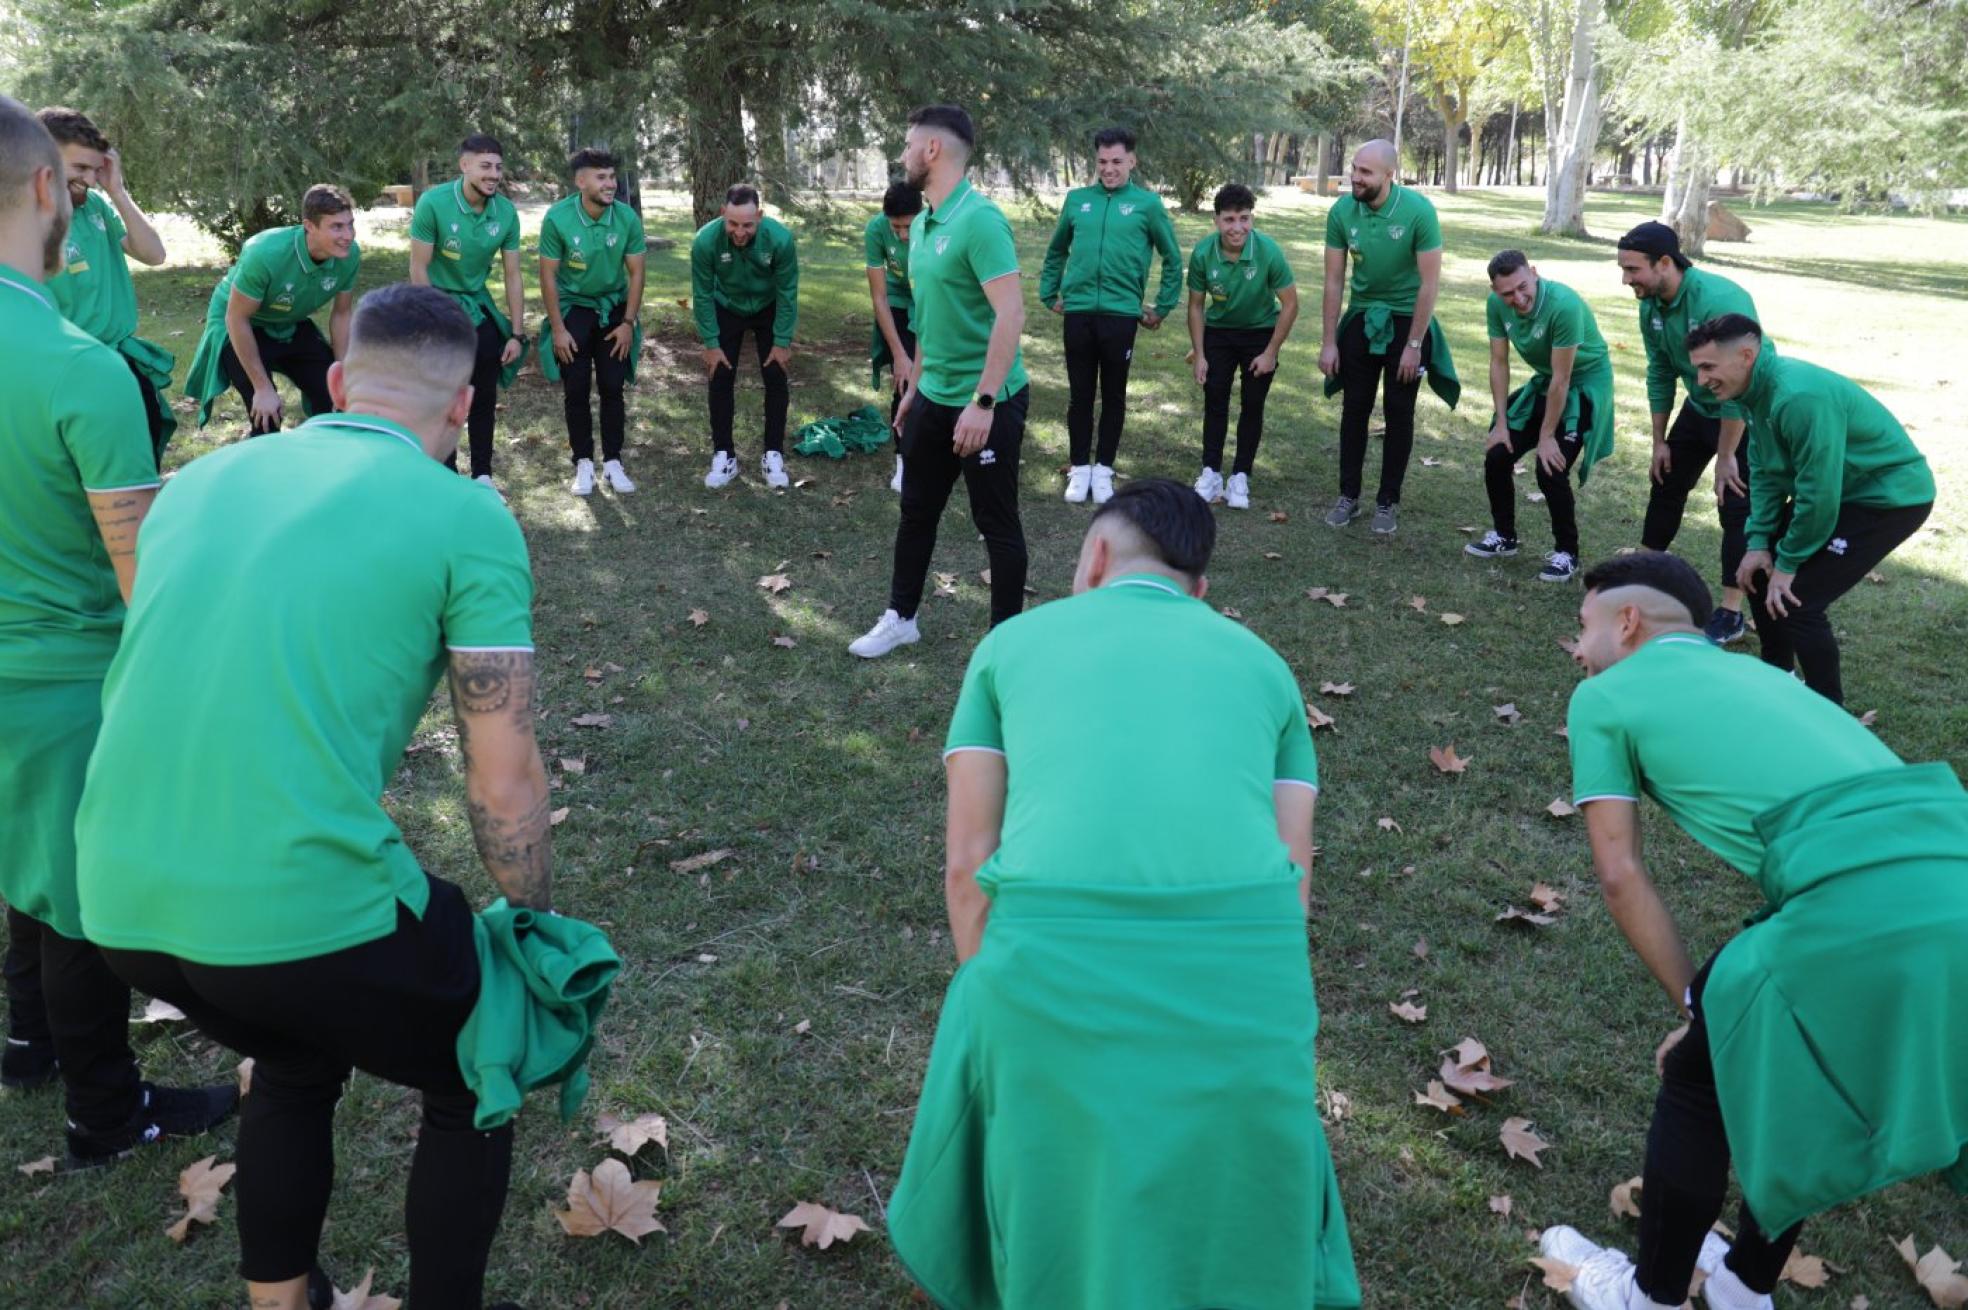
[{"x": 1674, "y": 297}]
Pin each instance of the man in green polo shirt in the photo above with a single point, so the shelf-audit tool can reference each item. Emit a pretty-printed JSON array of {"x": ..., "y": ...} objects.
[
  {"x": 1242, "y": 304},
  {"x": 1096, "y": 274},
  {"x": 260, "y": 319},
  {"x": 77, "y": 476},
  {"x": 454, "y": 233},
  {"x": 1675, "y": 297},
  {"x": 93, "y": 289},
  {"x": 1824, "y": 1046},
  {"x": 294, "y": 924},
  {"x": 1836, "y": 486},
  {"x": 892, "y": 344},
  {"x": 964, "y": 415},
  {"x": 1127, "y": 876},
  {"x": 1395, "y": 242},
  {"x": 744, "y": 279},
  {"x": 591, "y": 271},
  {"x": 1564, "y": 413}
]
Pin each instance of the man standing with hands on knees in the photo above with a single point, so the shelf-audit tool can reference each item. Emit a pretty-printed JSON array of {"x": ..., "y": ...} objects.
[
  {"x": 1121, "y": 1105},
  {"x": 591, "y": 270},
  {"x": 1388, "y": 338},
  {"x": 1096, "y": 274},
  {"x": 744, "y": 281},
  {"x": 965, "y": 415},
  {"x": 893, "y": 342},
  {"x": 1242, "y": 304}
]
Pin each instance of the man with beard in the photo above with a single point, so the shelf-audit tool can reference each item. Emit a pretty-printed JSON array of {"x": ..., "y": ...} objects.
[
  {"x": 1676, "y": 297},
  {"x": 260, "y": 319},
  {"x": 93, "y": 288},
  {"x": 744, "y": 281},
  {"x": 1388, "y": 339},
  {"x": 454, "y": 233},
  {"x": 964, "y": 417},
  {"x": 1096, "y": 275},
  {"x": 591, "y": 270},
  {"x": 77, "y": 477}
]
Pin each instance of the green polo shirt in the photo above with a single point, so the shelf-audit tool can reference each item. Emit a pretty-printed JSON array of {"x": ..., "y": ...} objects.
[
  {"x": 1559, "y": 318},
  {"x": 1819, "y": 440},
  {"x": 73, "y": 424},
  {"x": 463, "y": 240},
  {"x": 1183, "y": 797},
  {"x": 275, "y": 269},
  {"x": 1242, "y": 291},
  {"x": 890, "y": 253},
  {"x": 954, "y": 250},
  {"x": 1647, "y": 726},
  {"x": 591, "y": 251},
  {"x": 94, "y": 290},
  {"x": 1664, "y": 328},
  {"x": 745, "y": 279},
  {"x": 279, "y": 652},
  {"x": 1097, "y": 261},
  {"x": 1383, "y": 244}
]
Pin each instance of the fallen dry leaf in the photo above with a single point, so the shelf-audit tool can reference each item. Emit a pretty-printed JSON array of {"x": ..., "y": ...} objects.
[
  {"x": 608, "y": 1200},
  {"x": 1279, "y": 516},
  {"x": 161, "y": 1012},
  {"x": 1546, "y": 897},
  {"x": 1806, "y": 1271},
  {"x": 1409, "y": 1012},
  {"x": 1535, "y": 497},
  {"x": 361, "y": 1298},
  {"x": 1316, "y": 717},
  {"x": 1446, "y": 760},
  {"x": 803, "y": 482},
  {"x": 699, "y": 618},
  {"x": 1315, "y": 593},
  {"x": 784, "y": 642},
  {"x": 803, "y": 1027},
  {"x": 823, "y": 1227},
  {"x": 1338, "y": 1105},
  {"x": 1272, "y": 554},
  {"x": 693, "y": 863},
  {"x": 1513, "y": 914},
  {"x": 1501, "y": 1205},
  {"x": 45, "y": 1165},
  {"x": 1466, "y": 1068},
  {"x": 200, "y": 1184},
  {"x": 1336, "y": 599},
  {"x": 1386, "y": 823},
  {"x": 1558, "y": 1275},
  {"x": 1429, "y": 462},
  {"x": 1869, "y": 718},
  {"x": 558, "y": 817},
  {"x": 1937, "y": 1273},
  {"x": 593, "y": 720},
  {"x": 1621, "y": 1200},
  {"x": 1419, "y": 604},
  {"x": 1421, "y": 948},
  {"x": 630, "y": 1135},
  {"x": 1452, "y": 619},
  {"x": 574, "y": 764},
  {"x": 1560, "y": 808},
  {"x": 1336, "y": 688},
  {"x": 1440, "y": 1097},
  {"x": 1229, "y": 612},
  {"x": 1878, "y": 579},
  {"x": 1861, "y": 1303},
  {"x": 1569, "y": 645},
  {"x": 1507, "y": 712},
  {"x": 1520, "y": 1142},
  {"x": 775, "y": 582}
]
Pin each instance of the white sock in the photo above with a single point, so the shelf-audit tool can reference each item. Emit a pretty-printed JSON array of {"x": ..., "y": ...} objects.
[
  {"x": 1639, "y": 1300},
  {"x": 1725, "y": 1291}
]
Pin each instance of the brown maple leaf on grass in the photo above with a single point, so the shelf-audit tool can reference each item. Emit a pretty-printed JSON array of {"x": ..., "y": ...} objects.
[
  {"x": 1622, "y": 1202},
  {"x": 1445, "y": 759},
  {"x": 609, "y": 1200},
  {"x": 200, "y": 1184},
  {"x": 630, "y": 1135},
  {"x": 361, "y": 1298},
  {"x": 45, "y": 1165},
  {"x": 820, "y": 1226},
  {"x": 1466, "y": 1068},
  {"x": 1409, "y": 1012},
  {"x": 1316, "y": 717},
  {"x": 1938, "y": 1274},
  {"x": 1521, "y": 1142},
  {"x": 775, "y": 582},
  {"x": 1501, "y": 1205},
  {"x": 1440, "y": 1097}
]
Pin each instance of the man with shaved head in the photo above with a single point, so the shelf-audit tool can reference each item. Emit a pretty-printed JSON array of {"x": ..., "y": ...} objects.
[
  {"x": 293, "y": 922},
  {"x": 1824, "y": 1045},
  {"x": 77, "y": 476},
  {"x": 1128, "y": 871},
  {"x": 1388, "y": 340}
]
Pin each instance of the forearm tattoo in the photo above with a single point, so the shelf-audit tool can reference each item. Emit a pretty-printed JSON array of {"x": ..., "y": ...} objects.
[{"x": 492, "y": 692}]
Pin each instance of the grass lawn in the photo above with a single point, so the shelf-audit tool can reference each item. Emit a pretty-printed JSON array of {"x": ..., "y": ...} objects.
[{"x": 821, "y": 774}]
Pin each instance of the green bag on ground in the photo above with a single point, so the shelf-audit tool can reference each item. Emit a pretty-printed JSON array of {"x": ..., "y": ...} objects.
[{"x": 863, "y": 431}]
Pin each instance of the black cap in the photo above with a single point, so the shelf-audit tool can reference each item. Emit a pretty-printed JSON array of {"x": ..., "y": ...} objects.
[{"x": 1654, "y": 240}]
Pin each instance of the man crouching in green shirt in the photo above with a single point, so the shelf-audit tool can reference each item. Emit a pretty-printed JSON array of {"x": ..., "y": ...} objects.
[
  {"x": 295, "y": 924},
  {"x": 1133, "y": 1017},
  {"x": 744, "y": 281},
  {"x": 1825, "y": 1046},
  {"x": 1835, "y": 485}
]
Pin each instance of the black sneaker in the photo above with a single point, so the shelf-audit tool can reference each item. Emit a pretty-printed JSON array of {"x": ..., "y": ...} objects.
[
  {"x": 1559, "y": 566},
  {"x": 1494, "y": 545},
  {"x": 25, "y": 1066},
  {"x": 1724, "y": 626},
  {"x": 163, "y": 1112}
]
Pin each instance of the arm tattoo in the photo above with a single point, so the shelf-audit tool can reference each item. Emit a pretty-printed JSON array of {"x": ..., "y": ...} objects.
[
  {"x": 485, "y": 682},
  {"x": 517, "y": 851},
  {"x": 492, "y": 695}
]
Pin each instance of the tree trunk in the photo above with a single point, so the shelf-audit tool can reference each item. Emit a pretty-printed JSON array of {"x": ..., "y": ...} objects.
[
  {"x": 1684, "y": 207},
  {"x": 1511, "y": 149},
  {"x": 1578, "y": 135},
  {"x": 1451, "y": 140},
  {"x": 420, "y": 176},
  {"x": 1320, "y": 165},
  {"x": 714, "y": 135},
  {"x": 769, "y": 121}
]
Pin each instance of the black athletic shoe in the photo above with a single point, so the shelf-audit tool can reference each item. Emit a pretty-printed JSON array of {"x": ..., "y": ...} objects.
[
  {"x": 1494, "y": 545},
  {"x": 25, "y": 1066},
  {"x": 1559, "y": 566},
  {"x": 1724, "y": 626},
  {"x": 163, "y": 1112}
]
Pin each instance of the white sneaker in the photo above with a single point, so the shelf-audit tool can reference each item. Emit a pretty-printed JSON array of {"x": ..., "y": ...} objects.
[
  {"x": 1604, "y": 1280},
  {"x": 1236, "y": 492},
  {"x": 485, "y": 478},
  {"x": 774, "y": 468},
  {"x": 1077, "y": 483},
  {"x": 1209, "y": 485},
  {"x": 1723, "y": 1290},
  {"x": 1103, "y": 484},
  {"x": 618, "y": 480},
  {"x": 895, "y": 483},
  {"x": 724, "y": 467},
  {"x": 890, "y": 631},
  {"x": 583, "y": 478}
]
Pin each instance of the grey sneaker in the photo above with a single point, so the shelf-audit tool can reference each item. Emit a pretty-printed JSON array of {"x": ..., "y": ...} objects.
[
  {"x": 1384, "y": 520},
  {"x": 1343, "y": 512}
]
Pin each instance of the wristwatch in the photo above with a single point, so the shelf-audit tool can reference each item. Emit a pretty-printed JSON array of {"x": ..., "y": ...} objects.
[
  {"x": 984, "y": 400},
  {"x": 1414, "y": 345}
]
